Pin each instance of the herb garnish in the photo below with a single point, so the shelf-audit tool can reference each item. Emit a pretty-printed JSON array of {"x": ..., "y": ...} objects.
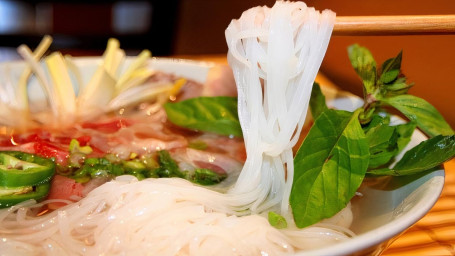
[
  {"x": 342, "y": 147},
  {"x": 209, "y": 114}
]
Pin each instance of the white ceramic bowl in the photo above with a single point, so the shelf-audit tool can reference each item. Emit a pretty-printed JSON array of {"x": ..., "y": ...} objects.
[{"x": 388, "y": 206}]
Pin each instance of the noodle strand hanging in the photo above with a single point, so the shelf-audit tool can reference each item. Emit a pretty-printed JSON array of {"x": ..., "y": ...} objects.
[{"x": 275, "y": 54}]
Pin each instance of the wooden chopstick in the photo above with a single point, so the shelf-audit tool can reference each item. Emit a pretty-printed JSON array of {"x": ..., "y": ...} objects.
[{"x": 394, "y": 25}]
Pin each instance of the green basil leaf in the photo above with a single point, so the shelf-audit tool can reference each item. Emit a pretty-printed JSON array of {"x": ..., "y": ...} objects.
[
  {"x": 405, "y": 132},
  {"x": 209, "y": 114},
  {"x": 329, "y": 167},
  {"x": 364, "y": 64},
  {"x": 391, "y": 69},
  {"x": 378, "y": 119},
  {"x": 423, "y": 113},
  {"x": 399, "y": 85},
  {"x": 317, "y": 101},
  {"x": 428, "y": 154},
  {"x": 386, "y": 141},
  {"x": 277, "y": 220},
  {"x": 382, "y": 141}
]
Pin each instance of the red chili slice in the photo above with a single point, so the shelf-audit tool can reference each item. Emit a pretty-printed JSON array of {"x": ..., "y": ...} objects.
[
  {"x": 48, "y": 150},
  {"x": 83, "y": 140}
]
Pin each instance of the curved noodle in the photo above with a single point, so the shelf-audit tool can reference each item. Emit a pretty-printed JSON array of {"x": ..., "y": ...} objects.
[{"x": 275, "y": 54}]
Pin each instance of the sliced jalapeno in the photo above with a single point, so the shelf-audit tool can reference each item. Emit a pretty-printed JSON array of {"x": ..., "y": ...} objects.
[
  {"x": 18, "y": 169},
  {"x": 12, "y": 196}
]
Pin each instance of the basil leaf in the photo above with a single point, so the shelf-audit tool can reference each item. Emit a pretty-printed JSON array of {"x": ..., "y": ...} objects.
[
  {"x": 423, "y": 113},
  {"x": 399, "y": 85},
  {"x": 364, "y": 64},
  {"x": 329, "y": 167},
  {"x": 405, "y": 132},
  {"x": 428, "y": 154},
  {"x": 317, "y": 101},
  {"x": 378, "y": 119},
  {"x": 391, "y": 69},
  {"x": 386, "y": 141},
  {"x": 382, "y": 141},
  {"x": 209, "y": 114},
  {"x": 277, "y": 220}
]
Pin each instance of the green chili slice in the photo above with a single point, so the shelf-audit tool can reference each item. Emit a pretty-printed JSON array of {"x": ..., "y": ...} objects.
[
  {"x": 18, "y": 169},
  {"x": 12, "y": 196}
]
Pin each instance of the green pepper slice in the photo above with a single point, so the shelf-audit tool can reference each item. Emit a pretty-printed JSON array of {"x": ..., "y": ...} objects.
[
  {"x": 18, "y": 169},
  {"x": 10, "y": 198}
]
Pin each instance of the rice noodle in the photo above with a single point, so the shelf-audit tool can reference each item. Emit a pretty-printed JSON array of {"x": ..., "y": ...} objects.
[
  {"x": 275, "y": 54},
  {"x": 151, "y": 217}
]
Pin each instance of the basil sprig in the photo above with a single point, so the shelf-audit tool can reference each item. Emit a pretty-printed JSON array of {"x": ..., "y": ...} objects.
[
  {"x": 343, "y": 147},
  {"x": 390, "y": 89}
]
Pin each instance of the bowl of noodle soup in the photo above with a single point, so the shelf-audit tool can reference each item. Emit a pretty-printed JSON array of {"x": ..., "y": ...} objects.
[
  {"x": 383, "y": 208},
  {"x": 138, "y": 182}
]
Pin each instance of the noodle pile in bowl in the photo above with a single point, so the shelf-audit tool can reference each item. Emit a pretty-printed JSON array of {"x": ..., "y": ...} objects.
[
  {"x": 275, "y": 54},
  {"x": 153, "y": 217}
]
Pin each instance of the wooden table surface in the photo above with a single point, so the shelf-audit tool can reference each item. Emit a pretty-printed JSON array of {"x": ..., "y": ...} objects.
[{"x": 434, "y": 234}]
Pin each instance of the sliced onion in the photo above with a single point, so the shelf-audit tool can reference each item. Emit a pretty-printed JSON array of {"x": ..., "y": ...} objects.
[{"x": 138, "y": 94}]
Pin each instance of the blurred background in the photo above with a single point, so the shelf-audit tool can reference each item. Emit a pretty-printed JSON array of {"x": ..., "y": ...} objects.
[{"x": 196, "y": 27}]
